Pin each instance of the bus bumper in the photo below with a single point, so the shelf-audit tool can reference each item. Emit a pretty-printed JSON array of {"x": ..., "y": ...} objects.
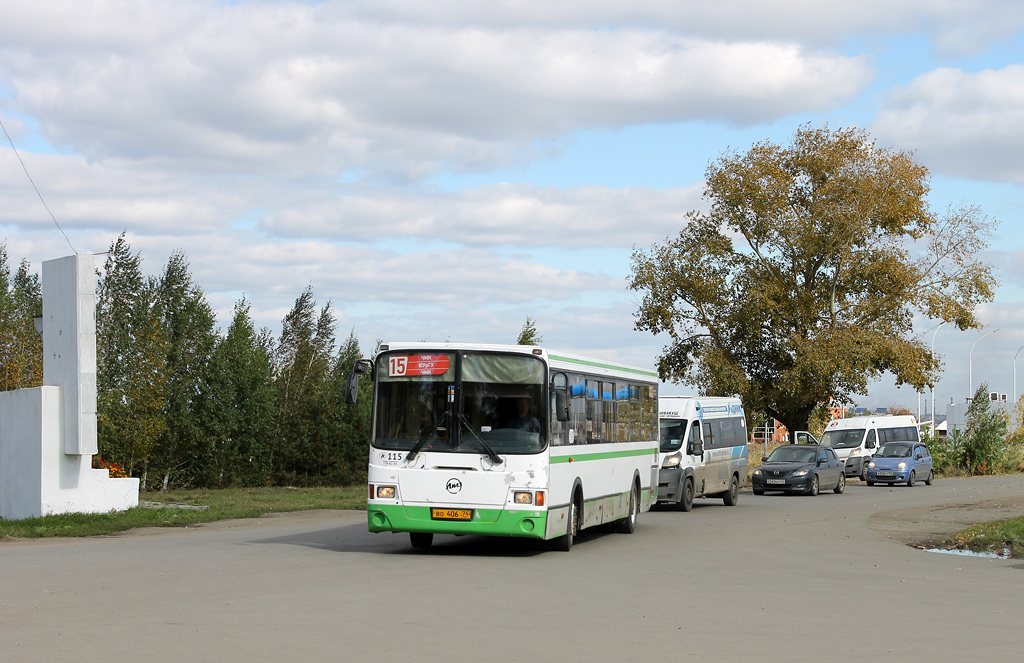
[{"x": 486, "y": 522}]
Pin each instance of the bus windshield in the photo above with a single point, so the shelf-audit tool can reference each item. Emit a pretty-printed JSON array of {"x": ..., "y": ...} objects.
[
  {"x": 672, "y": 431},
  {"x": 843, "y": 439},
  {"x": 460, "y": 402}
]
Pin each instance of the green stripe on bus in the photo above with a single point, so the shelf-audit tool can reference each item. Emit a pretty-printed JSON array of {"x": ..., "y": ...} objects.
[
  {"x": 613, "y": 367},
  {"x": 602, "y": 455}
]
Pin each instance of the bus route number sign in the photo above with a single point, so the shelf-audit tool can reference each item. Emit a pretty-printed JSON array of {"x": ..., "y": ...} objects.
[{"x": 406, "y": 365}]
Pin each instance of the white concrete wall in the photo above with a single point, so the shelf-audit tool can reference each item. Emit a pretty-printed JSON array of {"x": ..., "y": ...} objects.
[
  {"x": 48, "y": 434},
  {"x": 21, "y": 451}
]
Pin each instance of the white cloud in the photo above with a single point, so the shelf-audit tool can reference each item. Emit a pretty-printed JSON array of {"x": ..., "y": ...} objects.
[
  {"x": 495, "y": 215},
  {"x": 968, "y": 125},
  {"x": 292, "y": 88}
]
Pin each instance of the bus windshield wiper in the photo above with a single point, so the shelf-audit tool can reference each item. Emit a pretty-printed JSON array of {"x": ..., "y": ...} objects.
[
  {"x": 491, "y": 453},
  {"x": 433, "y": 436}
]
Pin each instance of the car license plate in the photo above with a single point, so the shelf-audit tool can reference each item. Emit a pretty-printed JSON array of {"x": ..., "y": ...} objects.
[
  {"x": 775, "y": 481},
  {"x": 884, "y": 474},
  {"x": 451, "y": 514}
]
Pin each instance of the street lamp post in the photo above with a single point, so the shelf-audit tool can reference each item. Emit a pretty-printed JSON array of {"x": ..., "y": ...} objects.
[
  {"x": 1015, "y": 374},
  {"x": 931, "y": 427},
  {"x": 970, "y": 365}
]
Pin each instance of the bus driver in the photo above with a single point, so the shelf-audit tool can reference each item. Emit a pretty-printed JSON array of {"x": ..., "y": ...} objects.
[{"x": 524, "y": 420}]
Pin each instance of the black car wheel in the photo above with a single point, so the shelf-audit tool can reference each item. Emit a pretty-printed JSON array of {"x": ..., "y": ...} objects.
[
  {"x": 841, "y": 486},
  {"x": 813, "y": 489},
  {"x": 931, "y": 476},
  {"x": 911, "y": 479},
  {"x": 758, "y": 491},
  {"x": 864, "y": 471}
]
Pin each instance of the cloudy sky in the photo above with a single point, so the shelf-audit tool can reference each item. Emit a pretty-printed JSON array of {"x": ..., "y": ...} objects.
[{"x": 442, "y": 170}]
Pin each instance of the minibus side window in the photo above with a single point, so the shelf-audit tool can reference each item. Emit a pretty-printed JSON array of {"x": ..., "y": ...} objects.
[{"x": 870, "y": 442}]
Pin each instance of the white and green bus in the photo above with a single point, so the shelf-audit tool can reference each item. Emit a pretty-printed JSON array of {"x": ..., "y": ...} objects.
[{"x": 507, "y": 440}]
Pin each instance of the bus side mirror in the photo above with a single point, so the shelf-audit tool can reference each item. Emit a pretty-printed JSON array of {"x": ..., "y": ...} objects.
[
  {"x": 360, "y": 367},
  {"x": 352, "y": 388},
  {"x": 561, "y": 405},
  {"x": 695, "y": 448}
]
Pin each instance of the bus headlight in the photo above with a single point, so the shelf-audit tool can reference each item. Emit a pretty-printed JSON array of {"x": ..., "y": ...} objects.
[
  {"x": 855, "y": 452},
  {"x": 522, "y": 497},
  {"x": 386, "y": 492},
  {"x": 673, "y": 460}
]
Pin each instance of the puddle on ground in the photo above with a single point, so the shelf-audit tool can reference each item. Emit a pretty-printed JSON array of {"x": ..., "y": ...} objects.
[{"x": 970, "y": 553}]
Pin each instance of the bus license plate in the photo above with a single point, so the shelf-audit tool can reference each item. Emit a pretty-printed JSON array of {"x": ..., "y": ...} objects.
[{"x": 451, "y": 514}]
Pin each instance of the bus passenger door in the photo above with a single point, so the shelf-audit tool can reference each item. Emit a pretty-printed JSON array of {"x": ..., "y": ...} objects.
[{"x": 695, "y": 458}]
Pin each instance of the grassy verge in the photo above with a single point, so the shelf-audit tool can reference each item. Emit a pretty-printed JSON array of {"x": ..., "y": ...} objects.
[
  {"x": 993, "y": 537},
  {"x": 221, "y": 505}
]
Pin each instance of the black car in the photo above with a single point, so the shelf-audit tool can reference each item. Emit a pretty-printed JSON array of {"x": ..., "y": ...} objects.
[{"x": 800, "y": 468}]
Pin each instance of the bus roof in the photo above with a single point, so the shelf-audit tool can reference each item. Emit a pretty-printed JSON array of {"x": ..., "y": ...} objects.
[{"x": 555, "y": 358}]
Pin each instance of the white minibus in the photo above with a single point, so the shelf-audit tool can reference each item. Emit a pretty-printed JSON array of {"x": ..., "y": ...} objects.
[
  {"x": 703, "y": 449},
  {"x": 855, "y": 439}
]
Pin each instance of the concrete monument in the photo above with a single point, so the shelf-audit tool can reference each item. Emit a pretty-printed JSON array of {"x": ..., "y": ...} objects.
[{"x": 48, "y": 434}]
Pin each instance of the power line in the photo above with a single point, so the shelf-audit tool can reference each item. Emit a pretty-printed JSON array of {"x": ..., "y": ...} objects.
[{"x": 36, "y": 188}]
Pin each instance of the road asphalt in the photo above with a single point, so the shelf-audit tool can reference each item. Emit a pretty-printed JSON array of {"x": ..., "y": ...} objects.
[{"x": 775, "y": 578}]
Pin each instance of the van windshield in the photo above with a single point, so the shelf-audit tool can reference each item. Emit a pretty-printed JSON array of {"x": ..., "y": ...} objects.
[
  {"x": 672, "y": 431},
  {"x": 843, "y": 439}
]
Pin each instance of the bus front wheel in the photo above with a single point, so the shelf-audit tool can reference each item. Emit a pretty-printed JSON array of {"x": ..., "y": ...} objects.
[
  {"x": 685, "y": 502},
  {"x": 564, "y": 542}
]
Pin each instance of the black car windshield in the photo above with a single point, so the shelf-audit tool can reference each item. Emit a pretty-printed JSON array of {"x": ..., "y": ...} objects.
[
  {"x": 894, "y": 451},
  {"x": 843, "y": 439},
  {"x": 794, "y": 453},
  {"x": 672, "y": 431}
]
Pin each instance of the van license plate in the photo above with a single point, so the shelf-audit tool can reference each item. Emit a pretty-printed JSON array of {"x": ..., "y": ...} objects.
[{"x": 451, "y": 514}]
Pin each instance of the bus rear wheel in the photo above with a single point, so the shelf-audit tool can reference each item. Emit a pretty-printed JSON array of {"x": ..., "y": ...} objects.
[
  {"x": 732, "y": 496},
  {"x": 628, "y": 524}
]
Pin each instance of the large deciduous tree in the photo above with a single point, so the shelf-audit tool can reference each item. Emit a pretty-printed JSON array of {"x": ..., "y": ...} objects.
[{"x": 800, "y": 283}]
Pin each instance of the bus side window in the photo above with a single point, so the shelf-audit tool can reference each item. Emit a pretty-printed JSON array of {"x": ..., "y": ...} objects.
[
  {"x": 709, "y": 438},
  {"x": 595, "y": 411},
  {"x": 870, "y": 442}
]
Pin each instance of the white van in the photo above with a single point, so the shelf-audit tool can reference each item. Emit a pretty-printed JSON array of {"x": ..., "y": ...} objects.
[
  {"x": 856, "y": 439},
  {"x": 703, "y": 449}
]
